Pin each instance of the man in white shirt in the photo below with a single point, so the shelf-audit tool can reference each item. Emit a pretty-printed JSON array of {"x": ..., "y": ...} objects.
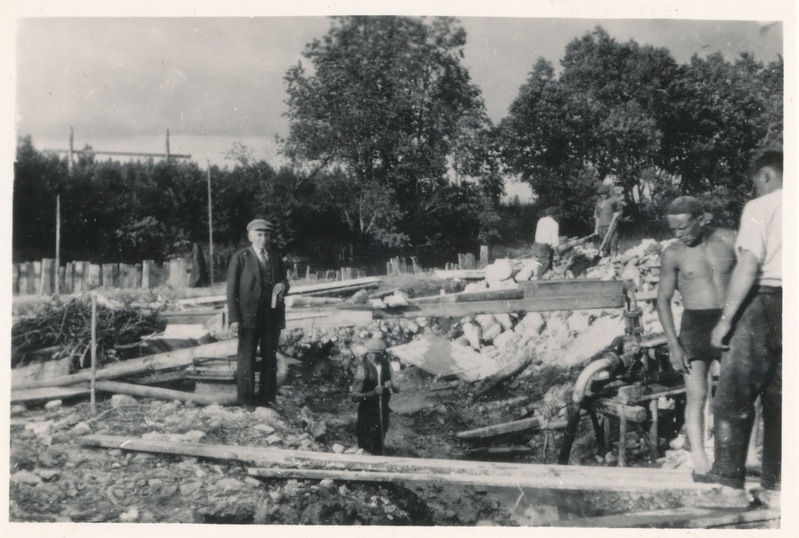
[
  {"x": 752, "y": 321},
  {"x": 547, "y": 239}
]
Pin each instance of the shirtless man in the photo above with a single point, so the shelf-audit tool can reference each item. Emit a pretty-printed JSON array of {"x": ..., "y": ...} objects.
[{"x": 699, "y": 264}]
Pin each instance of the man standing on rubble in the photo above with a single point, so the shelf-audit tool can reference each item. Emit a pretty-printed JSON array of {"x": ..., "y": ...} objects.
[
  {"x": 752, "y": 321},
  {"x": 607, "y": 206},
  {"x": 256, "y": 285},
  {"x": 547, "y": 240},
  {"x": 699, "y": 264}
]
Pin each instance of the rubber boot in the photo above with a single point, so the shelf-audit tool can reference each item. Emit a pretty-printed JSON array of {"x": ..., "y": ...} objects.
[{"x": 730, "y": 448}]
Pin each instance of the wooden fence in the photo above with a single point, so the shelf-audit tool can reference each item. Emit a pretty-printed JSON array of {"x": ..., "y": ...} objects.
[{"x": 39, "y": 278}]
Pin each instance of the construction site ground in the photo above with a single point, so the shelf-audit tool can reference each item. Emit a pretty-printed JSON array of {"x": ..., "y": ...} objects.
[{"x": 55, "y": 478}]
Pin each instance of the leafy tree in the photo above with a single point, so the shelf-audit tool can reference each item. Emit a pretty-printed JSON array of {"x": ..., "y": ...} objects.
[
  {"x": 723, "y": 114},
  {"x": 388, "y": 103}
]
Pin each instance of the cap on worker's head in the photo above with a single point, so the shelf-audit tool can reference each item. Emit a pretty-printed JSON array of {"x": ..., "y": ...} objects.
[
  {"x": 771, "y": 158},
  {"x": 375, "y": 345},
  {"x": 603, "y": 188},
  {"x": 259, "y": 224},
  {"x": 551, "y": 211},
  {"x": 686, "y": 205}
]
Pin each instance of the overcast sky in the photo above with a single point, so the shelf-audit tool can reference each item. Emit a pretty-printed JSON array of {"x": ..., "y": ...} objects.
[{"x": 121, "y": 82}]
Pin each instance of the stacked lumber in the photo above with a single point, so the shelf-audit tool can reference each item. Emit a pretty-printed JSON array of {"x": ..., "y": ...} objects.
[{"x": 76, "y": 384}]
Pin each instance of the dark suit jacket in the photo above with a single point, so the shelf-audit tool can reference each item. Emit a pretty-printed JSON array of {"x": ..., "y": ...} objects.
[{"x": 244, "y": 287}]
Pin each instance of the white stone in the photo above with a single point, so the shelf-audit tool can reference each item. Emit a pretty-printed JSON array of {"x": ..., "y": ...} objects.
[
  {"x": 53, "y": 405},
  {"x": 122, "y": 400},
  {"x": 81, "y": 428},
  {"x": 528, "y": 269},
  {"x": 500, "y": 270},
  {"x": 507, "y": 339},
  {"x": 25, "y": 477},
  {"x": 578, "y": 321},
  {"x": 475, "y": 286},
  {"x": 530, "y": 325},
  {"x": 504, "y": 320},
  {"x": 473, "y": 334}
]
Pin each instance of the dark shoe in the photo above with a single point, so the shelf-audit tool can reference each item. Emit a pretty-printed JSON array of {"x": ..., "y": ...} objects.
[{"x": 769, "y": 498}]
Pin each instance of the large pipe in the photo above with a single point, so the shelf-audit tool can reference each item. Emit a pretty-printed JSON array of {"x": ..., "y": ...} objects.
[{"x": 609, "y": 361}]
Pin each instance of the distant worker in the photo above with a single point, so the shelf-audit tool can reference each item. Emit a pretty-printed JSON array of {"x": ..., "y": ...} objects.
[
  {"x": 372, "y": 389},
  {"x": 547, "y": 240},
  {"x": 256, "y": 286},
  {"x": 752, "y": 320},
  {"x": 199, "y": 269},
  {"x": 699, "y": 265},
  {"x": 607, "y": 206}
]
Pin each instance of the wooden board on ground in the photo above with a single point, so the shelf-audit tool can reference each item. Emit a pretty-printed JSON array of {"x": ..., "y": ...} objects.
[
  {"x": 462, "y": 274},
  {"x": 535, "y": 304},
  {"x": 319, "y": 465},
  {"x": 613, "y": 290},
  {"x": 43, "y": 394},
  {"x": 516, "y": 426},
  {"x": 471, "y": 296},
  {"x": 161, "y": 361},
  {"x": 683, "y": 518},
  {"x": 310, "y": 318}
]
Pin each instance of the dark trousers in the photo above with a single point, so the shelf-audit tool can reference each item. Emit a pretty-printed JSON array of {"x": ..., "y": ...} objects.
[
  {"x": 752, "y": 367},
  {"x": 266, "y": 335},
  {"x": 543, "y": 254}
]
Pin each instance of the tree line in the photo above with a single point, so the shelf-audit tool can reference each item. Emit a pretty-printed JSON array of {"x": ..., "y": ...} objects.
[{"x": 390, "y": 151}]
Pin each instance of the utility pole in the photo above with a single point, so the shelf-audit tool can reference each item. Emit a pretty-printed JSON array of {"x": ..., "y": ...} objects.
[
  {"x": 58, "y": 216},
  {"x": 210, "y": 226}
]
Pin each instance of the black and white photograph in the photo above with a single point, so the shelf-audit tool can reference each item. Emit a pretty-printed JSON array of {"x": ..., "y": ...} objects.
[{"x": 399, "y": 266}]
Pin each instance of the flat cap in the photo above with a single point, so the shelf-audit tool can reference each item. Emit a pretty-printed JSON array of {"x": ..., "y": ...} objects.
[{"x": 259, "y": 224}]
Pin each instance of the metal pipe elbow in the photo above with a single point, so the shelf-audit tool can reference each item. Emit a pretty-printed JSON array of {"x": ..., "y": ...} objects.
[{"x": 608, "y": 362}]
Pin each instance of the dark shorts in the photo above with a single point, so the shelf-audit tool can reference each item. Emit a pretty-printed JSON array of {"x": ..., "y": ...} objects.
[{"x": 695, "y": 329}]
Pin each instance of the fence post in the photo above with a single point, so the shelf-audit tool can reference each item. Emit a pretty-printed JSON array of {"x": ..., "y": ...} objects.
[
  {"x": 483, "y": 256},
  {"x": 69, "y": 277},
  {"x": 46, "y": 274},
  {"x": 110, "y": 275}
]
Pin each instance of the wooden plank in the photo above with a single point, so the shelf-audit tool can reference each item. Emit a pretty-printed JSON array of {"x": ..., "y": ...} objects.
[
  {"x": 516, "y": 426},
  {"x": 558, "y": 477},
  {"x": 682, "y": 518},
  {"x": 160, "y": 361},
  {"x": 295, "y": 290},
  {"x": 630, "y": 413},
  {"x": 472, "y": 296},
  {"x": 163, "y": 394},
  {"x": 342, "y": 289},
  {"x": 571, "y": 287},
  {"x": 462, "y": 274},
  {"x": 48, "y": 393},
  {"x": 544, "y": 304},
  {"x": 499, "y": 451}
]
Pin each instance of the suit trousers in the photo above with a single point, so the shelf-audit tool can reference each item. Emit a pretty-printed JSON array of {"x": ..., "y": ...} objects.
[{"x": 265, "y": 335}]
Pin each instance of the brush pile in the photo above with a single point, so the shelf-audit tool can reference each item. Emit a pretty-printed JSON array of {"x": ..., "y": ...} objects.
[{"x": 59, "y": 330}]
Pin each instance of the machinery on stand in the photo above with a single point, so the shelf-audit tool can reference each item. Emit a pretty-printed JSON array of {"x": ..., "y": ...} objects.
[{"x": 632, "y": 381}]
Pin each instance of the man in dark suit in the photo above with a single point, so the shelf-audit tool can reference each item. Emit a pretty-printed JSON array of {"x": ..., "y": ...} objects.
[{"x": 256, "y": 285}]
